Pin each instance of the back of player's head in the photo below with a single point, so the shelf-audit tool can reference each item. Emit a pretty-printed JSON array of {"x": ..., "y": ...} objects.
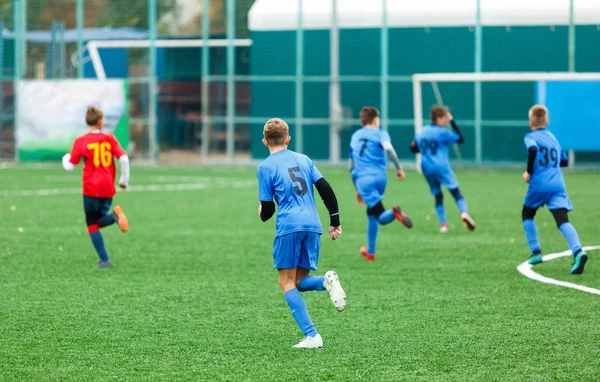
[
  {"x": 437, "y": 111},
  {"x": 538, "y": 116},
  {"x": 368, "y": 114},
  {"x": 93, "y": 115},
  {"x": 276, "y": 131}
]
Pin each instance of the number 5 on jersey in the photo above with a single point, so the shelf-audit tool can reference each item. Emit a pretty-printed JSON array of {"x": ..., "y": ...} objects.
[
  {"x": 102, "y": 154},
  {"x": 296, "y": 179}
]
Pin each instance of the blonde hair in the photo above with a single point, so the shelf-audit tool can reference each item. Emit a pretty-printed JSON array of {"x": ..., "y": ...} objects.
[
  {"x": 276, "y": 130},
  {"x": 538, "y": 116},
  {"x": 93, "y": 115}
]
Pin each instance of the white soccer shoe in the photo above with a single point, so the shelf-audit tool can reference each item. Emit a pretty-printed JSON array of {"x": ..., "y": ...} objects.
[
  {"x": 310, "y": 343},
  {"x": 336, "y": 292},
  {"x": 444, "y": 228}
]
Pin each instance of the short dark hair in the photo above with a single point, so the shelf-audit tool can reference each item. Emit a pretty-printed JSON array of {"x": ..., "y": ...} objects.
[
  {"x": 368, "y": 115},
  {"x": 93, "y": 115},
  {"x": 437, "y": 111}
]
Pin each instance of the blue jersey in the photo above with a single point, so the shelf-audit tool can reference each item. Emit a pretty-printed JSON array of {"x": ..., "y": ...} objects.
[
  {"x": 367, "y": 151},
  {"x": 288, "y": 177},
  {"x": 433, "y": 142},
  {"x": 547, "y": 175}
]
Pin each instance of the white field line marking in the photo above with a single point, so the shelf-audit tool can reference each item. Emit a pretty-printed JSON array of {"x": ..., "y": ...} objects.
[
  {"x": 527, "y": 270},
  {"x": 145, "y": 188}
]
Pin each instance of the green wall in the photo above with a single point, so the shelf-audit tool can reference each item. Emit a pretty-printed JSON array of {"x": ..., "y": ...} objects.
[{"x": 415, "y": 50}]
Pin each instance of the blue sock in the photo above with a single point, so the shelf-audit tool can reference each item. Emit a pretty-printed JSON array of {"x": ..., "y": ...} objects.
[
  {"x": 372, "y": 229},
  {"x": 299, "y": 312},
  {"x": 98, "y": 242},
  {"x": 441, "y": 213},
  {"x": 462, "y": 205},
  {"x": 312, "y": 283},
  {"x": 106, "y": 220},
  {"x": 570, "y": 234},
  {"x": 386, "y": 217},
  {"x": 532, "y": 236}
]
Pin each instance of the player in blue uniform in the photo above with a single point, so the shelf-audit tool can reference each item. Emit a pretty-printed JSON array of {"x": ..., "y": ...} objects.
[
  {"x": 433, "y": 143},
  {"x": 547, "y": 187},
  {"x": 367, "y": 165},
  {"x": 288, "y": 177}
]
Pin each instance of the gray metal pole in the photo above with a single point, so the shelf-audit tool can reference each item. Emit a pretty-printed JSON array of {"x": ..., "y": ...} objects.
[
  {"x": 299, "y": 83},
  {"x": 153, "y": 83},
  {"x": 230, "y": 80},
  {"x": 478, "y": 67},
  {"x": 335, "y": 108},
  {"x": 62, "y": 58},
  {"x": 80, "y": 26},
  {"x": 17, "y": 46},
  {"x": 205, "y": 80},
  {"x": 384, "y": 82}
]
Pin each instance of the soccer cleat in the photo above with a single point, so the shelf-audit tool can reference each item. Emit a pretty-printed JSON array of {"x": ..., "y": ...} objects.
[
  {"x": 401, "y": 217},
  {"x": 123, "y": 222},
  {"x": 579, "y": 263},
  {"x": 468, "y": 220},
  {"x": 444, "y": 228},
  {"x": 310, "y": 343},
  {"x": 336, "y": 292},
  {"x": 365, "y": 253},
  {"x": 535, "y": 259},
  {"x": 104, "y": 264}
]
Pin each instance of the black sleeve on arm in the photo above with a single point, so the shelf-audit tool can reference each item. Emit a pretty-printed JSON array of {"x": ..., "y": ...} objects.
[
  {"x": 564, "y": 162},
  {"x": 532, "y": 153},
  {"x": 414, "y": 148},
  {"x": 457, "y": 130},
  {"x": 328, "y": 196},
  {"x": 267, "y": 211}
]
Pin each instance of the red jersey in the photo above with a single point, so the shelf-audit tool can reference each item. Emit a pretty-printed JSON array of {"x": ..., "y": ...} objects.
[{"x": 97, "y": 150}]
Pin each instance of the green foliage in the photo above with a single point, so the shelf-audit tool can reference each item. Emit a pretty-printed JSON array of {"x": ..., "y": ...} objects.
[{"x": 193, "y": 295}]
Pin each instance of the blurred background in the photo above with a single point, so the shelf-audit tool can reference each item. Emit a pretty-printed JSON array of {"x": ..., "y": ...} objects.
[{"x": 193, "y": 81}]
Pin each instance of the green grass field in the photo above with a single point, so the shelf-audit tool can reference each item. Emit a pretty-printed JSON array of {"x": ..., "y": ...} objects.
[{"x": 193, "y": 295}]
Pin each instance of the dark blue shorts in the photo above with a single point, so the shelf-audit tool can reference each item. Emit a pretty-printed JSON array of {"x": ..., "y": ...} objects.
[
  {"x": 298, "y": 249},
  {"x": 96, "y": 206}
]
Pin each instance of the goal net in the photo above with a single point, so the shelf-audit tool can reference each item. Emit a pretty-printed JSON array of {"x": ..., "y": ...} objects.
[{"x": 492, "y": 112}]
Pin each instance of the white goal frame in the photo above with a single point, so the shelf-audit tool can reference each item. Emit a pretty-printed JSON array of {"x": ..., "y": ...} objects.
[{"x": 476, "y": 79}]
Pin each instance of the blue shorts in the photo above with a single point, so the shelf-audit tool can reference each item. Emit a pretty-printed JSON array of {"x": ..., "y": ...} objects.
[
  {"x": 371, "y": 189},
  {"x": 436, "y": 179},
  {"x": 553, "y": 200},
  {"x": 99, "y": 206},
  {"x": 298, "y": 249}
]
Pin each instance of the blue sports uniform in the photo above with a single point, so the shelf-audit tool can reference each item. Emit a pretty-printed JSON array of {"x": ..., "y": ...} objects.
[
  {"x": 547, "y": 185},
  {"x": 433, "y": 142},
  {"x": 547, "y": 188},
  {"x": 369, "y": 172},
  {"x": 288, "y": 177}
]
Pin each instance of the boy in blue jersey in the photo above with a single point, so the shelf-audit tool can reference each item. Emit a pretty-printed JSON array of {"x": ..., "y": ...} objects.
[
  {"x": 433, "y": 143},
  {"x": 288, "y": 177},
  {"x": 547, "y": 187},
  {"x": 367, "y": 165}
]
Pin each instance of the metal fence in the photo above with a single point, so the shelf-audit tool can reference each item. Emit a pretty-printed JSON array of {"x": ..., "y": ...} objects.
[{"x": 201, "y": 83}]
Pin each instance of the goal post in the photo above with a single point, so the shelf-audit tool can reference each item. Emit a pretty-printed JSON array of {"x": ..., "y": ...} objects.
[{"x": 552, "y": 89}]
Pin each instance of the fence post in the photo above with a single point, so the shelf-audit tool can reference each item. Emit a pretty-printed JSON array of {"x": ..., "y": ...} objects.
[
  {"x": 230, "y": 10},
  {"x": 80, "y": 26},
  {"x": 152, "y": 85},
  {"x": 205, "y": 78},
  {"x": 299, "y": 77},
  {"x": 478, "y": 64}
]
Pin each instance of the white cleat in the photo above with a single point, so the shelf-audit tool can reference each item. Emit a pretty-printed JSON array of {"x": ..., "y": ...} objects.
[
  {"x": 336, "y": 292},
  {"x": 444, "y": 228},
  {"x": 310, "y": 343}
]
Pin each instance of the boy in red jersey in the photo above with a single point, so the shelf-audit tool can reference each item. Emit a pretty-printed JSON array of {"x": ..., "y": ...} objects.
[{"x": 97, "y": 150}]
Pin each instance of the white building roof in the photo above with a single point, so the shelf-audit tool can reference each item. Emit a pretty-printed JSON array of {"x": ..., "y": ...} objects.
[{"x": 283, "y": 14}]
